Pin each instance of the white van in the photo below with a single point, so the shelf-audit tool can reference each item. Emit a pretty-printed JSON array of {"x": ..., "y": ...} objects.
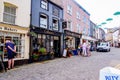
[{"x": 103, "y": 46}]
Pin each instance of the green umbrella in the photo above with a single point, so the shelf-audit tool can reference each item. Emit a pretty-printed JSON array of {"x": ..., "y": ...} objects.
[
  {"x": 103, "y": 23},
  {"x": 117, "y": 13},
  {"x": 109, "y": 19}
]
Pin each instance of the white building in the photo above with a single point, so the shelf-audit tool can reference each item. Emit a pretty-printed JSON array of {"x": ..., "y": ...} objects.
[
  {"x": 116, "y": 38},
  {"x": 14, "y": 24}
]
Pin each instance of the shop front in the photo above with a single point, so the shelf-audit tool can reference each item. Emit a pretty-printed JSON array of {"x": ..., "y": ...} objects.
[
  {"x": 51, "y": 40},
  {"x": 19, "y": 36},
  {"x": 71, "y": 39}
]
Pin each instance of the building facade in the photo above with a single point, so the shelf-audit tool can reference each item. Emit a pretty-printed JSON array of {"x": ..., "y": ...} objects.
[
  {"x": 77, "y": 19},
  {"x": 14, "y": 24},
  {"x": 101, "y": 34},
  {"x": 46, "y": 23}
]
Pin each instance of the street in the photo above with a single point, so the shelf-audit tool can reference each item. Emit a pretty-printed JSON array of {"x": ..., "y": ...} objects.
[{"x": 73, "y": 68}]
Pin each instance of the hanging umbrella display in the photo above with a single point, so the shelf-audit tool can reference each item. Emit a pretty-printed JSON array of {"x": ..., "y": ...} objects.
[
  {"x": 103, "y": 23},
  {"x": 109, "y": 19},
  {"x": 117, "y": 13}
]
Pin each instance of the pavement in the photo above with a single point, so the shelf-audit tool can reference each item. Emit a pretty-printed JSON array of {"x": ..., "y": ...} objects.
[{"x": 73, "y": 68}]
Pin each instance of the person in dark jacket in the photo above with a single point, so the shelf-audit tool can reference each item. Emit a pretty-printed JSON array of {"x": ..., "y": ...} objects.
[{"x": 11, "y": 49}]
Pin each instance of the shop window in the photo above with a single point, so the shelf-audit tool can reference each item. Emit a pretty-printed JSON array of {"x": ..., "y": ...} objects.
[
  {"x": 44, "y": 4},
  {"x": 9, "y": 14},
  {"x": 55, "y": 24},
  {"x": 43, "y": 21},
  {"x": 19, "y": 41}
]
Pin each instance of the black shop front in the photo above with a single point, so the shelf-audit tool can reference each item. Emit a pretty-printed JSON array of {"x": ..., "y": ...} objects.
[{"x": 51, "y": 40}]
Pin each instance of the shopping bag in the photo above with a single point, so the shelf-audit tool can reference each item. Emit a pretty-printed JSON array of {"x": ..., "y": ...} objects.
[{"x": 109, "y": 73}]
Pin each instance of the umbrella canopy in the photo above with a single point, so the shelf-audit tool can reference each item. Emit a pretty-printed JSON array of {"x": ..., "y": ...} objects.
[
  {"x": 103, "y": 23},
  {"x": 117, "y": 13},
  {"x": 109, "y": 19}
]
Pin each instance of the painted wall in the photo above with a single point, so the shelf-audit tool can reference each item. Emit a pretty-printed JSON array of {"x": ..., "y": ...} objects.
[
  {"x": 23, "y": 11},
  {"x": 83, "y": 13},
  {"x": 36, "y": 10}
]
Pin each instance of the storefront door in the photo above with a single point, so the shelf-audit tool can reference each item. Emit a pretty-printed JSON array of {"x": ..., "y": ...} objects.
[
  {"x": 57, "y": 46},
  {"x": 77, "y": 42}
]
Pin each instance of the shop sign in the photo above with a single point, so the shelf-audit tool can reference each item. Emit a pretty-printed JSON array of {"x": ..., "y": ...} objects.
[
  {"x": 45, "y": 31},
  {"x": 69, "y": 33},
  {"x": 8, "y": 29}
]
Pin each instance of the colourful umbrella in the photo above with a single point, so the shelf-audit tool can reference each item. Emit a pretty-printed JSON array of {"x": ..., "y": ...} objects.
[
  {"x": 103, "y": 23},
  {"x": 109, "y": 19},
  {"x": 117, "y": 13}
]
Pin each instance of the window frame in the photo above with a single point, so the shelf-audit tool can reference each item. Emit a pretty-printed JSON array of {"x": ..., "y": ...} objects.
[
  {"x": 69, "y": 9},
  {"x": 46, "y": 6},
  {"x": 69, "y": 27},
  {"x": 10, "y": 14},
  {"x": 54, "y": 10},
  {"x": 46, "y": 20},
  {"x": 57, "y": 24}
]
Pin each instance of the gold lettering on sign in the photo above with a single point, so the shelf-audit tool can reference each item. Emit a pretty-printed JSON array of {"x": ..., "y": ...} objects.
[{"x": 8, "y": 29}]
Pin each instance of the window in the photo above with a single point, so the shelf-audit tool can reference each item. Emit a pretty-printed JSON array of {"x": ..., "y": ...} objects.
[
  {"x": 78, "y": 28},
  {"x": 9, "y": 14},
  {"x": 43, "y": 20},
  {"x": 78, "y": 15},
  {"x": 55, "y": 24},
  {"x": 44, "y": 4},
  {"x": 18, "y": 39},
  {"x": 70, "y": 25},
  {"x": 84, "y": 30},
  {"x": 69, "y": 9},
  {"x": 55, "y": 11}
]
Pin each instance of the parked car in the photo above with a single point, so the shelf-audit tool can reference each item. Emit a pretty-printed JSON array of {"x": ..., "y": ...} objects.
[{"x": 103, "y": 46}]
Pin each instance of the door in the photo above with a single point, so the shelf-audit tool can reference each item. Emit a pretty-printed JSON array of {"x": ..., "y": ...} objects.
[{"x": 57, "y": 46}]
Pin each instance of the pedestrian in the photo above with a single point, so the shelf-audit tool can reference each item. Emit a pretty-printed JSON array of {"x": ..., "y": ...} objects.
[
  {"x": 11, "y": 51},
  {"x": 84, "y": 47},
  {"x": 88, "y": 50},
  {"x": 79, "y": 49}
]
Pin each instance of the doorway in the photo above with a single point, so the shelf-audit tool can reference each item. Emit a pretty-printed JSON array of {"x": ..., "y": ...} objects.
[{"x": 56, "y": 46}]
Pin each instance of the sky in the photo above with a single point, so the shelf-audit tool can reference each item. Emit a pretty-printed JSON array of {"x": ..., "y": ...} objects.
[{"x": 100, "y": 10}]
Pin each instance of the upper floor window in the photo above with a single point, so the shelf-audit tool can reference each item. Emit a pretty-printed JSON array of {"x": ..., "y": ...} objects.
[
  {"x": 84, "y": 18},
  {"x": 78, "y": 15},
  {"x": 43, "y": 21},
  {"x": 78, "y": 28},
  {"x": 70, "y": 25},
  {"x": 44, "y": 4},
  {"x": 69, "y": 9},
  {"x": 55, "y": 24},
  {"x": 9, "y": 14},
  {"x": 55, "y": 11}
]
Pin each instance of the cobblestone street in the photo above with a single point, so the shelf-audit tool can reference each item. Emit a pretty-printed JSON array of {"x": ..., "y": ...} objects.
[{"x": 74, "y": 68}]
